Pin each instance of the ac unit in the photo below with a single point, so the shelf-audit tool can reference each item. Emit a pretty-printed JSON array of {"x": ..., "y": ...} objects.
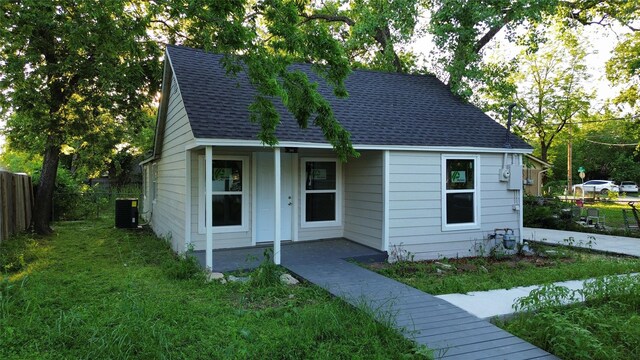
[{"x": 126, "y": 213}]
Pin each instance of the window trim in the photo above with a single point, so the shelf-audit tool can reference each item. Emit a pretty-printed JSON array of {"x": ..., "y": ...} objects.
[
  {"x": 303, "y": 193},
  {"x": 244, "y": 226},
  {"x": 476, "y": 192}
]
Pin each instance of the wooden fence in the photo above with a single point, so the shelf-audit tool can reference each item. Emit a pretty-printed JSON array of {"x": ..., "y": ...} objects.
[{"x": 16, "y": 203}]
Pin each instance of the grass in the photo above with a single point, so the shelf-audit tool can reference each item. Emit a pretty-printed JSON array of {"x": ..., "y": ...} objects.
[
  {"x": 95, "y": 292},
  {"x": 500, "y": 272},
  {"x": 605, "y": 326},
  {"x": 613, "y": 213}
]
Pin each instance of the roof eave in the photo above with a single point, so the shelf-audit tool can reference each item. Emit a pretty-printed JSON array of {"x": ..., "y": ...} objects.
[{"x": 201, "y": 142}]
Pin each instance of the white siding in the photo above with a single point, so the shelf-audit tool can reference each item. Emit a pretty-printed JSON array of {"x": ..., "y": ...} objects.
[
  {"x": 363, "y": 199},
  {"x": 167, "y": 217},
  {"x": 415, "y": 218}
]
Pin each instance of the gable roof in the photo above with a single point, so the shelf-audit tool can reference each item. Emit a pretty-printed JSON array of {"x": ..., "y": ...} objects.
[{"x": 384, "y": 109}]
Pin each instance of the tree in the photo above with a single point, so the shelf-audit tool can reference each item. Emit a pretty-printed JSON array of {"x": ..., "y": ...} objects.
[
  {"x": 604, "y": 145},
  {"x": 67, "y": 67},
  {"x": 547, "y": 89},
  {"x": 463, "y": 29},
  {"x": 370, "y": 30},
  {"x": 623, "y": 69},
  {"x": 70, "y": 67}
]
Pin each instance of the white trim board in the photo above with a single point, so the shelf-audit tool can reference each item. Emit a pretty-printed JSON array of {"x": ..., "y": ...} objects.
[{"x": 305, "y": 145}]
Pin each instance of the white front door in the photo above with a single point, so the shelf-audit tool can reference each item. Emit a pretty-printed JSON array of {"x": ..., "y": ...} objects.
[{"x": 265, "y": 197}]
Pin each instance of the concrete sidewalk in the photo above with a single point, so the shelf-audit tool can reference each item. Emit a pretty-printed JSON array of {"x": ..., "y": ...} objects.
[
  {"x": 608, "y": 243},
  {"x": 488, "y": 304}
]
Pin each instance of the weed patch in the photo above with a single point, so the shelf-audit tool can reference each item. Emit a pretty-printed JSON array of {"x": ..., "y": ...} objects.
[
  {"x": 605, "y": 326},
  {"x": 552, "y": 264}
]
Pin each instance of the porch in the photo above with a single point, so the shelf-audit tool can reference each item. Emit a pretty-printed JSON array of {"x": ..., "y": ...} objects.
[
  {"x": 292, "y": 253},
  {"x": 278, "y": 196}
]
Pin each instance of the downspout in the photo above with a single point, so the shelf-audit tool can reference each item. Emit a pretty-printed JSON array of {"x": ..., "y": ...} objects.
[{"x": 521, "y": 207}]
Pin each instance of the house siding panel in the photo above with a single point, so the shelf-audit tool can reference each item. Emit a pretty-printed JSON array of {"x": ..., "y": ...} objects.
[
  {"x": 415, "y": 206},
  {"x": 363, "y": 200},
  {"x": 167, "y": 217}
]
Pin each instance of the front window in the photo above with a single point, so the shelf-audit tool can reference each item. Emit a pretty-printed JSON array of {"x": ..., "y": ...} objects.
[
  {"x": 460, "y": 202},
  {"x": 321, "y": 192},
  {"x": 229, "y": 193}
]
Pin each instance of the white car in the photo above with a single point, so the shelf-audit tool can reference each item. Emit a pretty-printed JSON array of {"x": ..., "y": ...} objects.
[
  {"x": 628, "y": 187},
  {"x": 595, "y": 186}
]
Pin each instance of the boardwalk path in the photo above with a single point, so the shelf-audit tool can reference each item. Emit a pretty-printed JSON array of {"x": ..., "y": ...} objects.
[{"x": 452, "y": 332}]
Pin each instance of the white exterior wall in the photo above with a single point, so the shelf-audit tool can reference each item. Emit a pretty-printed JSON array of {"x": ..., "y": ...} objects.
[
  {"x": 415, "y": 206},
  {"x": 363, "y": 205},
  {"x": 167, "y": 211}
]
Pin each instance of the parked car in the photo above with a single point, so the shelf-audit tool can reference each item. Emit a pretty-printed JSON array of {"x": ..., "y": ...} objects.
[
  {"x": 598, "y": 186},
  {"x": 628, "y": 187}
]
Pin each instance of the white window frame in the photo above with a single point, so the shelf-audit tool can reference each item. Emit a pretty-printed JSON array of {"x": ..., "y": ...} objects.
[
  {"x": 476, "y": 193},
  {"x": 244, "y": 226},
  {"x": 303, "y": 191}
]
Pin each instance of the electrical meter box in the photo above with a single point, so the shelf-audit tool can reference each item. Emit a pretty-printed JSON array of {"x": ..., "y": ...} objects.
[{"x": 515, "y": 180}]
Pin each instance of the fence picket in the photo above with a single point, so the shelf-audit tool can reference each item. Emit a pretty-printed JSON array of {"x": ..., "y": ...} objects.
[{"x": 16, "y": 203}]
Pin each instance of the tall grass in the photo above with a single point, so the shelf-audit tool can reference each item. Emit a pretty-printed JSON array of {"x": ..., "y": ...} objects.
[
  {"x": 96, "y": 292},
  {"x": 605, "y": 326}
]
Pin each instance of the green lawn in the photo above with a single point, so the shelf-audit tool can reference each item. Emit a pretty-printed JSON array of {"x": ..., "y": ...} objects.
[
  {"x": 480, "y": 274},
  {"x": 613, "y": 213},
  {"x": 95, "y": 292}
]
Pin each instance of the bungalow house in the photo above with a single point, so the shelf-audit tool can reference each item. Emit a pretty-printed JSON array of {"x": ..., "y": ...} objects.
[{"x": 435, "y": 174}]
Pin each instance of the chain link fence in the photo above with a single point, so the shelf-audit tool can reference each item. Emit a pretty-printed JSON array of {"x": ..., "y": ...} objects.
[{"x": 91, "y": 203}]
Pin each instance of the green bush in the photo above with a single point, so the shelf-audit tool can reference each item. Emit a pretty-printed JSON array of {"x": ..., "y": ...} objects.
[{"x": 549, "y": 213}]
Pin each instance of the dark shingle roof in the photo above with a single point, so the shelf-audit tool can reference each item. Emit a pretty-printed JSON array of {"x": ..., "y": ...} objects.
[{"x": 382, "y": 108}]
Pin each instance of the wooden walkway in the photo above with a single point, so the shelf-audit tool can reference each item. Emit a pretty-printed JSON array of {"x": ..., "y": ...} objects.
[{"x": 450, "y": 331}]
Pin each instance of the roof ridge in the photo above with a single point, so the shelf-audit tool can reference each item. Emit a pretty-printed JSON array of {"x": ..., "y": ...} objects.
[{"x": 376, "y": 71}]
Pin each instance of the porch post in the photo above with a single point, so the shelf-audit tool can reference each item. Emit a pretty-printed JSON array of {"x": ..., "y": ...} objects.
[
  {"x": 385, "y": 200},
  {"x": 277, "y": 192},
  {"x": 208, "y": 200},
  {"x": 187, "y": 200}
]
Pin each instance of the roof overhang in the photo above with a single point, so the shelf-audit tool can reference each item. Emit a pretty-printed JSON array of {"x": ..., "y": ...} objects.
[
  {"x": 201, "y": 143},
  {"x": 161, "y": 118}
]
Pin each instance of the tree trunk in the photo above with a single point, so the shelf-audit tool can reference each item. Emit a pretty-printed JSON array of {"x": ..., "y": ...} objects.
[{"x": 44, "y": 196}]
